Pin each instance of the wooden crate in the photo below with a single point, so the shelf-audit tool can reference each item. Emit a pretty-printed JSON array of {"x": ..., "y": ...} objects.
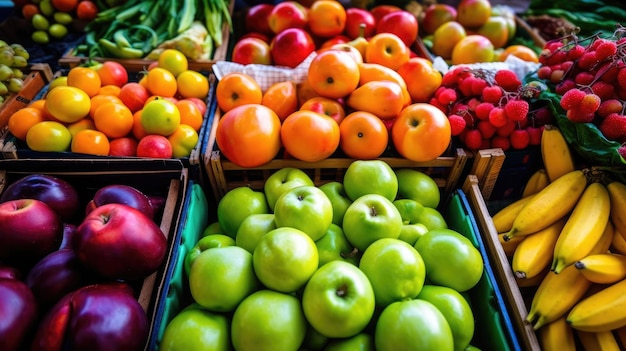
[
  {"x": 36, "y": 77},
  {"x": 89, "y": 175},
  {"x": 502, "y": 267}
]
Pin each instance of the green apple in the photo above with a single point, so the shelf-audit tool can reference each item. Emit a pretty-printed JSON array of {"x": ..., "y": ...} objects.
[
  {"x": 253, "y": 228},
  {"x": 335, "y": 246},
  {"x": 412, "y": 325},
  {"x": 212, "y": 228},
  {"x": 455, "y": 309},
  {"x": 313, "y": 340},
  {"x": 338, "y": 198},
  {"x": 285, "y": 259},
  {"x": 220, "y": 278},
  {"x": 451, "y": 259},
  {"x": 268, "y": 320},
  {"x": 306, "y": 208},
  {"x": 395, "y": 269},
  {"x": 208, "y": 242},
  {"x": 359, "y": 342},
  {"x": 282, "y": 180},
  {"x": 236, "y": 205},
  {"x": 338, "y": 300},
  {"x": 195, "y": 328},
  {"x": 432, "y": 219},
  {"x": 370, "y": 177},
  {"x": 418, "y": 186},
  {"x": 369, "y": 218},
  {"x": 412, "y": 229}
]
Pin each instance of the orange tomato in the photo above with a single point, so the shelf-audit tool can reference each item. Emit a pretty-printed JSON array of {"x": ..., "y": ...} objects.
[
  {"x": 309, "y": 136},
  {"x": 236, "y": 89},
  {"x": 421, "y": 132},
  {"x": 363, "y": 135},
  {"x": 85, "y": 123},
  {"x": 327, "y": 18},
  {"x": 22, "y": 119},
  {"x": 249, "y": 135},
  {"x": 161, "y": 82},
  {"x": 85, "y": 79},
  {"x": 91, "y": 142},
  {"x": 115, "y": 120},
  {"x": 190, "y": 114},
  {"x": 110, "y": 89},
  {"x": 64, "y": 5},
  {"x": 137, "y": 130},
  {"x": 86, "y": 10},
  {"x": 388, "y": 50},
  {"x": 333, "y": 74},
  {"x": 282, "y": 98},
  {"x": 98, "y": 100}
]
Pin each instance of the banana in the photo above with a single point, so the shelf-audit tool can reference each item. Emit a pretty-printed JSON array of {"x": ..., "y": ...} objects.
[
  {"x": 618, "y": 244},
  {"x": 534, "y": 281},
  {"x": 503, "y": 219},
  {"x": 509, "y": 246},
  {"x": 604, "y": 341},
  {"x": 556, "y": 294},
  {"x": 617, "y": 192},
  {"x": 604, "y": 268},
  {"x": 555, "y": 152},
  {"x": 536, "y": 182},
  {"x": 557, "y": 336},
  {"x": 603, "y": 245},
  {"x": 534, "y": 253},
  {"x": 584, "y": 227},
  {"x": 603, "y": 311},
  {"x": 550, "y": 204}
]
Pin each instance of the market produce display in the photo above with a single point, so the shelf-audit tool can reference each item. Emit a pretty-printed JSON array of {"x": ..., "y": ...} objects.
[
  {"x": 13, "y": 60},
  {"x": 68, "y": 253},
  {"x": 362, "y": 261},
  {"x": 97, "y": 110}
]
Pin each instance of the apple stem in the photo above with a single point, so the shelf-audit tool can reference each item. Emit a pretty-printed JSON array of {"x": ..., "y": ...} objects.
[
  {"x": 352, "y": 253},
  {"x": 342, "y": 291},
  {"x": 373, "y": 212}
]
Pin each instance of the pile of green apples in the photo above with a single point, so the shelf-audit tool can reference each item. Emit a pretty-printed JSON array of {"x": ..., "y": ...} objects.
[
  {"x": 366, "y": 263},
  {"x": 13, "y": 58}
]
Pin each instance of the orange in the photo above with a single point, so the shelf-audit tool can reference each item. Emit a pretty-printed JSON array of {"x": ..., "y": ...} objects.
[
  {"x": 309, "y": 136},
  {"x": 236, "y": 89},
  {"x": 85, "y": 79},
  {"x": 521, "y": 51},
  {"x": 38, "y": 104},
  {"x": 190, "y": 114},
  {"x": 282, "y": 98},
  {"x": 333, "y": 74},
  {"x": 363, "y": 135},
  {"x": 91, "y": 142},
  {"x": 22, "y": 119},
  {"x": 161, "y": 82},
  {"x": 113, "y": 119}
]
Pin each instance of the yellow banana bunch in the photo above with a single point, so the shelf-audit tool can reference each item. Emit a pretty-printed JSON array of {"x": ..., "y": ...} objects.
[
  {"x": 584, "y": 227},
  {"x": 602, "y": 311},
  {"x": 604, "y": 341},
  {"x": 603, "y": 245},
  {"x": 504, "y": 218},
  {"x": 555, "y": 152},
  {"x": 536, "y": 182},
  {"x": 617, "y": 193},
  {"x": 549, "y": 205},
  {"x": 510, "y": 245},
  {"x": 557, "y": 336},
  {"x": 604, "y": 268},
  {"x": 620, "y": 334},
  {"x": 556, "y": 295},
  {"x": 534, "y": 281},
  {"x": 618, "y": 244},
  {"x": 534, "y": 253}
]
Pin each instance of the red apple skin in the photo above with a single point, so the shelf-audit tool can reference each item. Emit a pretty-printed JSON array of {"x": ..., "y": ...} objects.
[
  {"x": 99, "y": 317},
  {"x": 113, "y": 73},
  {"x": 54, "y": 276},
  {"x": 120, "y": 242},
  {"x": 287, "y": 14},
  {"x": 29, "y": 230},
  {"x": 401, "y": 23},
  {"x": 154, "y": 146},
  {"x": 158, "y": 204},
  {"x": 251, "y": 50},
  {"x": 124, "y": 147},
  {"x": 68, "y": 232},
  {"x": 18, "y": 308},
  {"x": 291, "y": 46},
  {"x": 354, "y": 17},
  {"x": 379, "y": 11},
  {"x": 123, "y": 194},
  {"x": 57, "y": 193},
  {"x": 257, "y": 19}
]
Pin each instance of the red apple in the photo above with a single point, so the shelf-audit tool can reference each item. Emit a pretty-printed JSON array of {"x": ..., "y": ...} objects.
[
  {"x": 29, "y": 230},
  {"x": 291, "y": 46},
  {"x": 354, "y": 18},
  {"x": 95, "y": 317},
  {"x": 264, "y": 37},
  {"x": 123, "y": 194},
  {"x": 123, "y": 147},
  {"x": 199, "y": 102},
  {"x": 379, "y": 11},
  {"x": 154, "y": 146},
  {"x": 288, "y": 14},
  {"x": 9, "y": 272},
  {"x": 18, "y": 308},
  {"x": 57, "y": 193},
  {"x": 158, "y": 204},
  {"x": 435, "y": 15},
  {"x": 251, "y": 50},
  {"x": 112, "y": 73},
  {"x": 401, "y": 23},
  {"x": 257, "y": 19},
  {"x": 55, "y": 275},
  {"x": 120, "y": 242}
]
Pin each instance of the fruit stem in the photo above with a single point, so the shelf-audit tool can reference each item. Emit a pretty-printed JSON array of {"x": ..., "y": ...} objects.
[
  {"x": 350, "y": 254},
  {"x": 342, "y": 291}
]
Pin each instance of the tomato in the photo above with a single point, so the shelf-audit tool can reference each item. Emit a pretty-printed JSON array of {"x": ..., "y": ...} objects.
[
  {"x": 190, "y": 114},
  {"x": 64, "y": 5},
  {"x": 67, "y": 103},
  {"x": 113, "y": 119},
  {"x": 98, "y": 100},
  {"x": 89, "y": 141},
  {"x": 235, "y": 89},
  {"x": 160, "y": 117},
  {"x": 192, "y": 84},
  {"x": 48, "y": 136},
  {"x": 112, "y": 73},
  {"x": 363, "y": 135},
  {"x": 85, "y": 79},
  {"x": 173, "y": 61},
  {"x": 421, "y": 132},
  {"x": 134, "y": 95},
  {"x": 161, "y": 82},
  {"x": 183, "y": 140},
  {"x": 86, "y": 10},
  {"x": 310, "y": 136},
  {"x": 249, "y": 135}
]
